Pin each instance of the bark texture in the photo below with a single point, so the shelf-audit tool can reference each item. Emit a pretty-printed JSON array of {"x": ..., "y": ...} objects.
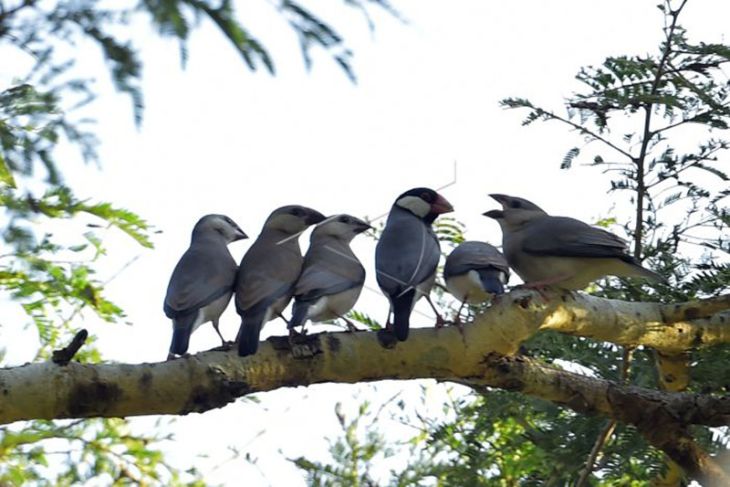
[{"x": 483, "y": 356}]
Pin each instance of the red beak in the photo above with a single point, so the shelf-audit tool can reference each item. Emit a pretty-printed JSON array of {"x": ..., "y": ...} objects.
[{"x": 441, "y": 205}]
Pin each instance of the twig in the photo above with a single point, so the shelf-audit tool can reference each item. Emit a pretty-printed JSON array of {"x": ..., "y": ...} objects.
[
  {"x": 608, "y": 430},
  {"x": 64, "y": 355}
]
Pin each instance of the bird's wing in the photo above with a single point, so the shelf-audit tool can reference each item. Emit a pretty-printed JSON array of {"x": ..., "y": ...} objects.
[
  {"x": 267, "y": 272},
  {"x": 329, "y": 268},
  {"x": 407, "y": 253},
  {"x": 568, "y": 237},
  {"x": 473, "y": 256},
  {"x": 204, "y": 273}
]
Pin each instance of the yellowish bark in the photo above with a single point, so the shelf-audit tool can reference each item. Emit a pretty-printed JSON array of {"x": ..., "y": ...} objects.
[{"x": 483, "y": 356}]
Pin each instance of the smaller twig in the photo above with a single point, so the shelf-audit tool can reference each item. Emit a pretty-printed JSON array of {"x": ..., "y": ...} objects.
[
  {"x": 64, "y": 355},
  {"x": 607, "y": 430}
]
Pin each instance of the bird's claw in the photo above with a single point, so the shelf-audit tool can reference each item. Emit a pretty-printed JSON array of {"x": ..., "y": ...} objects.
[
  {"x": 224, "y": 347},
  {"x": 172, "y": 356},
  {"x": 440, "y": 321}
]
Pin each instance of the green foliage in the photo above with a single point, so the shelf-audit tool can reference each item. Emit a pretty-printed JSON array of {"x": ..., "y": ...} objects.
[
  {"x": 680, "y": 225},
  {"x": 353, "y": 454},
  {"x": 102, "y": 450},
  {"x": 680, "y": 228},
  {"x": 55, "y": 239}
]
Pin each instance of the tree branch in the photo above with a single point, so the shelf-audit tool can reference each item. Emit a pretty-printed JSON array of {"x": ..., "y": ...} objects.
[
  {"x": 662, "y": 418},
  {"x": 479, "y": 357}
]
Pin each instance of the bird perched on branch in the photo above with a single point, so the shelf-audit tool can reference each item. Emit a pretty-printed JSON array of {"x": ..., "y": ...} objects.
[
  {"x": 407, "y": 255},
  {"x": 201, "y": 284},
  {"x": 559, "y": 251},
  {"x": 475, "y": 272},
  {"x": 268, "y": 271},
  {"x": 332, "y": 276}
]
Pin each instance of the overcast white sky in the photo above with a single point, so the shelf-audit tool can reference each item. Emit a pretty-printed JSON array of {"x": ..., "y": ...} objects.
[{"x": 217, "y": 138}]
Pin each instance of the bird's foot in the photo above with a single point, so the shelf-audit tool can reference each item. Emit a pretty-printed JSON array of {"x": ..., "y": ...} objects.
[
  {"x": 172, "y": 356},
  {"x": 459, "y": 326},
  {"x": 440, "y": 321},
  {"x": 224, "y": 347},
  {"x": 296, "y": 338},
  {"x": 351, "y": 328},
  {"x": 539, "y": 287}
]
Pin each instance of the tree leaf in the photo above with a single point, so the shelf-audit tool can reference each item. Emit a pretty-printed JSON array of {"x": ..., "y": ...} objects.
[{"x": 6, "y": 177}]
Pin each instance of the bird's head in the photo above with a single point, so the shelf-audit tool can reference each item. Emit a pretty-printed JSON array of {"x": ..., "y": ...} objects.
[
  {"x": 220, "y": 226},
  {"x": 425, "y": 203},
  {"x": 515, "y": 211},
  {"x": 293, "y": 219},
  {"x": 344, "y": 227}
]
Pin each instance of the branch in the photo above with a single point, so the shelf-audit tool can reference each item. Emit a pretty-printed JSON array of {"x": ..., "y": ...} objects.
[
  {"x": 585, "y": 131},
  {"x": 478, "y": 357},
  {"x": 662, "y": 418},
  {"x": 608, "y": 429},
  {"x": 64, "y": 355}
]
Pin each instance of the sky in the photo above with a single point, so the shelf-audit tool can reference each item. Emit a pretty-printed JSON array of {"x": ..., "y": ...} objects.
[{"x": 217, "y": 138}]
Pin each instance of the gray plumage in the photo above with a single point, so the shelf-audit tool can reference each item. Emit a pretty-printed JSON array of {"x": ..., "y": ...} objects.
[
  {"x": 475, "y": 272},
  {"x": 408, "y": 253},
  {"x": 560, "y": 251},
  {"x": 202, "y": 282},
  {"x": 268, "y": 271},
  {"x": 332, "y": 276}
]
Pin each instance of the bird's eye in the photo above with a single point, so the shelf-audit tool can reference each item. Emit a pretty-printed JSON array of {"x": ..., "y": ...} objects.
[
  {"x": 516, "y": 204},
  {"x": 297, "y": 212},
  {"x": 344, "y": 219},
  {"x": 427, "y": 197}
]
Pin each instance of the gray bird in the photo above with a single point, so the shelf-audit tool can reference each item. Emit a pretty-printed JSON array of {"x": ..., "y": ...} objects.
[
  {"x": 475, "y": 272},
  {"x": 560, "y": 251},
  {"x": 332, "y": 276},
  {"x": 201, "y": 284},
  {"x": 407, "y": 254},
  {"x": 268, "y": 271}
]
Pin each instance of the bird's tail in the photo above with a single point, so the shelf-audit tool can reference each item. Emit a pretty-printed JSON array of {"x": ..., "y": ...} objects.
[
  {"x": 248, "y": 336},
  {"x": 402, "y": 307},
  {"x": 298, "y": 314},
  {"x": 492, "y": 280},
  {"x": 649, "y": 274},
  {"x": 181, "y": 336},
  {"x": 641, "y": 271}
]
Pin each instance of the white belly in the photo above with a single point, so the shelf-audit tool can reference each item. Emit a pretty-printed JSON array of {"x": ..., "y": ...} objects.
[
  {"x": 468, "y": 286},
  {"x": 212, "y": 311},
  {"x": 575, "y": 272},
  {"x": 333, "y": 306}
]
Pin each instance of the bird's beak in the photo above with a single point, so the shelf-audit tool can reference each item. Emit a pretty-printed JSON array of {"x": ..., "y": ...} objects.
[
  {"x": 314, "y": 217},
  {"x": 364, "y": 227},
  {"x": 499, "y": 198},
  {"x": 441, "y": 205},
  {"x": 496, "y": 214},
  {"x": 239, "y": 235}
]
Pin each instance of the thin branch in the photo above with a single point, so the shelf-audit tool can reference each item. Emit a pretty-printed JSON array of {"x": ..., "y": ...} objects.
[
  {"x": 608, "y": 430},
  {"x": 648, "y": 135},
  {"x": 583, "y": 130}
]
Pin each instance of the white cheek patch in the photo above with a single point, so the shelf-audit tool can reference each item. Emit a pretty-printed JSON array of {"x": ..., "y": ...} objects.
[{"x": 415, "y": 205}]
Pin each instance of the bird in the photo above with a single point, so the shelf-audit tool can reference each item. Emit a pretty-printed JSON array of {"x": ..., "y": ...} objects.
[
  {"x": 332, "y": 276},
  {"x": 560, "y": 251},
  {"x": 408, "y": 253},
  {"x": 475, "y": 272},
  {"x": 201, "y": 284},
  {"x": 268, "y": 272}
]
